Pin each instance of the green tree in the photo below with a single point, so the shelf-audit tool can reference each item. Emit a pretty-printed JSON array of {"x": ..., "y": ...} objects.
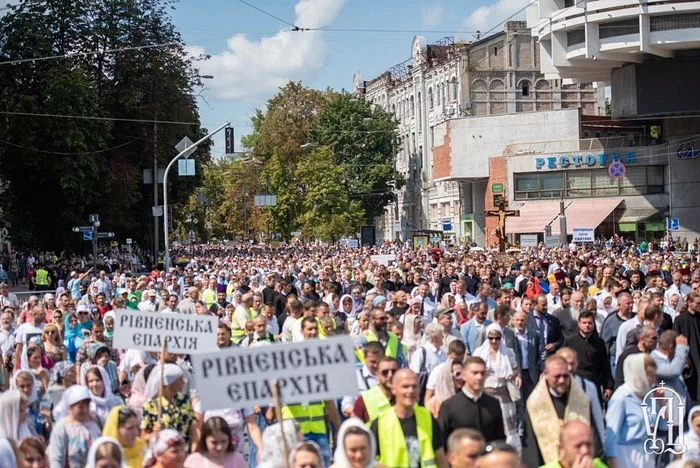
[
  {"x": 90, "y": 165},
  {"x": 277, "y": 140},
  {"x": 362, "y": 142},
  {"x": 328, "y": 211}
]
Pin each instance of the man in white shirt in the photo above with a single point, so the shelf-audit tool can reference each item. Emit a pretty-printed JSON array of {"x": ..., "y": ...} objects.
[
  {"x": 429, "y": 355},
  {"x": 8, "y": 299},
  {"x": 553, "y": 298}
]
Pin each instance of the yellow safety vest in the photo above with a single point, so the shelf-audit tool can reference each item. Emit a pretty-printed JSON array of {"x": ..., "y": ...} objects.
[
  {"x": 392, "y": 345},
  {"x": 376, "y": 401},
  {"x": 311, "y": 418},
  {"x": 42, "y": 277},
  {"x": 238, "y": 333},
  {"x": 209, "y": 297},
  {"x": 392, "y": 443}
]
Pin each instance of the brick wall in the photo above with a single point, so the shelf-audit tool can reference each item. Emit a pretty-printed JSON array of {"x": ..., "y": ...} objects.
[
  {"x": 497, "y": 175},
  {"x": 442, "y": 164}
]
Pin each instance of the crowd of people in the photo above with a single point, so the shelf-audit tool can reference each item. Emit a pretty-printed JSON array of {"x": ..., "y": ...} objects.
[{"x": 464, "y": 357}]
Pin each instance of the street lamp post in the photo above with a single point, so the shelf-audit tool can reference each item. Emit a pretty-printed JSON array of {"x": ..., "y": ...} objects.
[{"x": 166, "y": 240}]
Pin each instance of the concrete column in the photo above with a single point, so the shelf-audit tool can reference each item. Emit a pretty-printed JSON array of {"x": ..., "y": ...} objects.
[{"x": 478, "y": 207}]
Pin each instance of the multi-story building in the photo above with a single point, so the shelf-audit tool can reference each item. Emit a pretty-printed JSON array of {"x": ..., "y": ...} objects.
[
  {"x": 649, "y": 52},
  {"x": 495, "y": 75}
]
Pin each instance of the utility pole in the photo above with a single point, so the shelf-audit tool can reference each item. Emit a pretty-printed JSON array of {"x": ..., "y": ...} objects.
[
  {"x": 156, "y": 231},
  {"x": 563, "y": 240},
  {"x": 187, "y": 150},
  {"x": 90, "y": 233}
]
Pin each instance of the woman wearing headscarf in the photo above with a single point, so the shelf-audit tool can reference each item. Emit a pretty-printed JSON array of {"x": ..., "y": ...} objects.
[
  {"x": 361, "y": 326},
  {"x": 347, "y": 308},
  {"x": 501, "y": 371},
  {"x": 33, "y": 360},
  {"x": 100, "y": 355},
  {"x": 105, "y": 451},
  {"x": 412, "y": 331},
  {"x": 26, "y": 383},
  {"x": 272, "y": 455},
  {"x": 122, "y": 424},
  {"x": 625, "y": 422},
  {"x": 8, "y": 454},
  {"x": 74, "y": 431},
  {"x": 103, "y": 400},
  {"x": 72, "y": 335},
  {"x": 14, "y": 412},
  {"x": 356, "y": 447},
  {"x": 173, "y": 406},
  {"x": 166, "y": 450}
]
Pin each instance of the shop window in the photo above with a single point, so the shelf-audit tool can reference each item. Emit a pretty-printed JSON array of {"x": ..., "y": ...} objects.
[{"x": 638, "y": 180}]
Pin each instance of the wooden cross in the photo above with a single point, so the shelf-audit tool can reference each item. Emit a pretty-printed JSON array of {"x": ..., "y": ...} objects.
[{"x": 502, "y": 214}]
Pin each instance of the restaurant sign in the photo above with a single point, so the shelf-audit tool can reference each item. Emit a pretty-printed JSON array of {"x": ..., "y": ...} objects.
[{"x": 584, "y": 160}]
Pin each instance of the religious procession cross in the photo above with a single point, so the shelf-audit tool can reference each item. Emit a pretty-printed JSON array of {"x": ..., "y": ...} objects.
[{"x": 502, "y": 214}]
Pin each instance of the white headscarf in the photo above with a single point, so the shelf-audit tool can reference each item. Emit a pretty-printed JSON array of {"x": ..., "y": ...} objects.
[
  {"x": 92, "y": 454},
  {"x": 10, "y": 426},
  {"x": 501, "y": 367},
  {"x": 636, "y": 381},
  {"x": 340, "y": 460},
  {"x": 7, "y": 454},
  {"x": 101, "y": 405},
  {"x": 171, "y": 372},
  {"x": 34, "y": 397},
  {"x": 272, "y": 448},
  {"x": 690, "y": 438}
]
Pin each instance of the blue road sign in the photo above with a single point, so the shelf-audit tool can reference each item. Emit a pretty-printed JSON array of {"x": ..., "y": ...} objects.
[
  {"x": 616, "y": 170},
  {"x": 673, "y": 224},
  {"x": 87, "y": 235}
]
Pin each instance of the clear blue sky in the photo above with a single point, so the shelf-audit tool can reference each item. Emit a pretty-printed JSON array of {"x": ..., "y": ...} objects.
[{"x": 252, "y": 54}]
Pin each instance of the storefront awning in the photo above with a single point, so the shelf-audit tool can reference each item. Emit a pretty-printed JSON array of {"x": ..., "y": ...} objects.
[
  {"x": 534, "y": 216},
  {"x": 586, "y": 212},
  {"x": 636, "y": 215}
]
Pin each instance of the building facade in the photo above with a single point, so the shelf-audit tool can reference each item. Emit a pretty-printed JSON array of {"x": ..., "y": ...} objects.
[
  {"x": 497, "y": 75},
  {"x": 647, "y": 51}
]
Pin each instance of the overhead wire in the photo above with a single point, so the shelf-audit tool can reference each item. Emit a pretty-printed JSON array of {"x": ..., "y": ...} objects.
[
  {"x": 92, "y": 117},
  {"x": 61, "y": 153},
  {"x": 271, "y": 15},
  {"x": 94, "y": 52}
]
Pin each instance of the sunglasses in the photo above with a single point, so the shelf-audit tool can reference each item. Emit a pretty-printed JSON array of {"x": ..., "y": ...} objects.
[
  {"x": 386, "y": 372},
  {"x": 494, "y": 338},
  {"x": 456, "y": 375},
  {"x": 82, "y": 313}
]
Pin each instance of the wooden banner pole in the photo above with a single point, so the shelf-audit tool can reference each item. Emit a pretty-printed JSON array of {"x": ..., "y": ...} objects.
[
  {"x": 162, "y": 382},
  {"x": 280, "y": 419}
]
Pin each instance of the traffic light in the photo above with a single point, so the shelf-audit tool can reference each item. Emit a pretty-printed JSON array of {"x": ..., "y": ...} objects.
[{"x": 229, "y": 140}]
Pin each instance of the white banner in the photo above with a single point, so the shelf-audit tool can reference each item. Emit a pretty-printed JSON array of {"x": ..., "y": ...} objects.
[
  {"x": 583, "y": 234},
  {"x": 309, "y": 371},
  {"x": 184, "y": 334},
  {"x": 528, "y": 240},
  {"x": 385, "y": 260}
]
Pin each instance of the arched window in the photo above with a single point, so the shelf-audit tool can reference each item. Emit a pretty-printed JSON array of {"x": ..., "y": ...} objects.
[{"x": 431, "y": 103}]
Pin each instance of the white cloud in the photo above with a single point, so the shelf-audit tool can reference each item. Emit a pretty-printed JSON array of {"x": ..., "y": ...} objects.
[
  {"x": 486, "y": 17},
  {"x": 251, "y": 69},
  {"x": 432, "y": 15}
]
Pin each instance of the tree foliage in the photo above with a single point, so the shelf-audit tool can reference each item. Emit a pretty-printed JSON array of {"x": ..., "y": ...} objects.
[
  {"x": 327, "y": 157},
  {"x": 362, "y": 143},
  {"x": 328, "y": 212},
  {"x": 87, "y": 165}
]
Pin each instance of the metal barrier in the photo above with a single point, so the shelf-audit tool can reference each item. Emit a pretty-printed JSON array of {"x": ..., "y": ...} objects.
[{"x": 23, "y": 296}]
